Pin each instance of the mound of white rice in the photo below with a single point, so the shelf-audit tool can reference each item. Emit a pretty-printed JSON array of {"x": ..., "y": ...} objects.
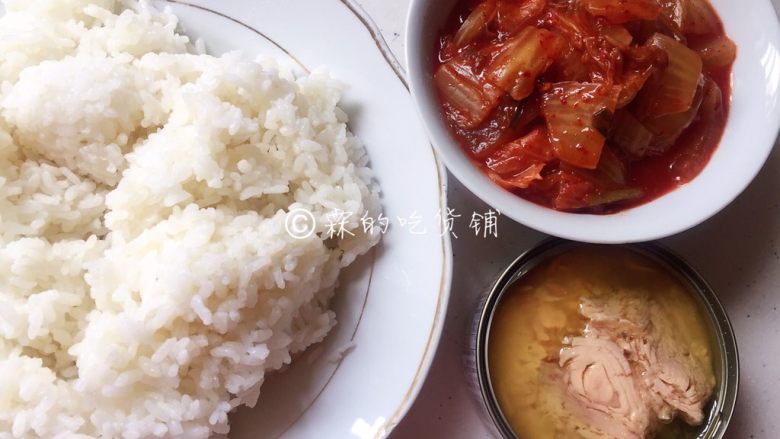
[{"x": 147, "y": 281}]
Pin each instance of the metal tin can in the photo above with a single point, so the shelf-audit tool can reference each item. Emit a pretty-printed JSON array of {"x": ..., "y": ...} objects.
[{"x": 725, "y": 358}]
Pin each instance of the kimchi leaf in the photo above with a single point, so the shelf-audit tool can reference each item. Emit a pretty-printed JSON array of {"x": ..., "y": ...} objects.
[
  {"x": 717, "y": 52},
  {"x": 633, "y": 82},
  {"x": 526, "y": 113},
  {"x": 572, "y": 190},
  {"x": 575, "y": 24},
  {"x": 612, "y": 196},
  {"x": 622, "y": 11},
  {"x": 521, "y": 180},
  {"x": 694, "y": 154},
  {"x": 569, "y": 109},
  {"x": 522, "y": 59},
  {"x": 475, "y": 24},
  {"x": 667, "y": 128},
  {"x": 712, "y": 109},
  {"x": 692, "y": 17},
  {"x": 515, "y": 157},
  {"x": 673, "y": 89},
  {"x": 569, "y": 65},
  {"x": 611, "y": 168},
  {"x": 630, "y": 135},
  {"x": 699, "y": 18},
  {"x": 470, "y": 99},
  {"x": 618, "y": 35},
  {"x": 512, "y": 17}
]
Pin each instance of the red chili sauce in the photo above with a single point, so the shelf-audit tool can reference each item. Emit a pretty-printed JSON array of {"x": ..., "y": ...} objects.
[{"x": 588, "y": 106}]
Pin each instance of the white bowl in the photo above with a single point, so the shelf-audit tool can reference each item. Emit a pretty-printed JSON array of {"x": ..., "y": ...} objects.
[{"x": 751, "y": 131}]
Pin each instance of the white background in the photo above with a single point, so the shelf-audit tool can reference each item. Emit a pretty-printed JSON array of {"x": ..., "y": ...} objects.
[{"x": 738, "y": 251}]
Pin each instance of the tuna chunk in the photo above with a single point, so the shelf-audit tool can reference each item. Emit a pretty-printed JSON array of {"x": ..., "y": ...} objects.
[
  {"x": 599, "y": 379},
  {"x": 626, "y": 315},
  {"x": 674, "y": 382},
  {"x": 627, "y": 372}
]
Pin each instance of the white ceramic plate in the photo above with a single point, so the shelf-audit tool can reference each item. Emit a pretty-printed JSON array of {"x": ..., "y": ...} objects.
[
  {"x": 750, "y": 134},
  {"x": 391, "y": 302}
]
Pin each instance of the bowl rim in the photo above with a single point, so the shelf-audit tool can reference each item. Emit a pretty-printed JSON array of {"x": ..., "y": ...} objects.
[
  {"x": 728, "y": 378},
  {"x": 669, "y": 214}
]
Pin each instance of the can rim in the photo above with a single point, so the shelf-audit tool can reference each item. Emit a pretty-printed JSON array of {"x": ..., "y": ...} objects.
[{"x": 727, "y": 377}]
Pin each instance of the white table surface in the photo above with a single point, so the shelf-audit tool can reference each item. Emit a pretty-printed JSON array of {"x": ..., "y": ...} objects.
[{"x": 738, "y": 252}]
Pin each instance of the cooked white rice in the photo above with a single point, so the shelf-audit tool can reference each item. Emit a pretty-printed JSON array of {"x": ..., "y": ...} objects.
[{"x": 147, "y": 280}]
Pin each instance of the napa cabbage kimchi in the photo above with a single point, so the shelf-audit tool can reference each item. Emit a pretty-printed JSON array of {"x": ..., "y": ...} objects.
[{"x": 588, "y": 106}]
